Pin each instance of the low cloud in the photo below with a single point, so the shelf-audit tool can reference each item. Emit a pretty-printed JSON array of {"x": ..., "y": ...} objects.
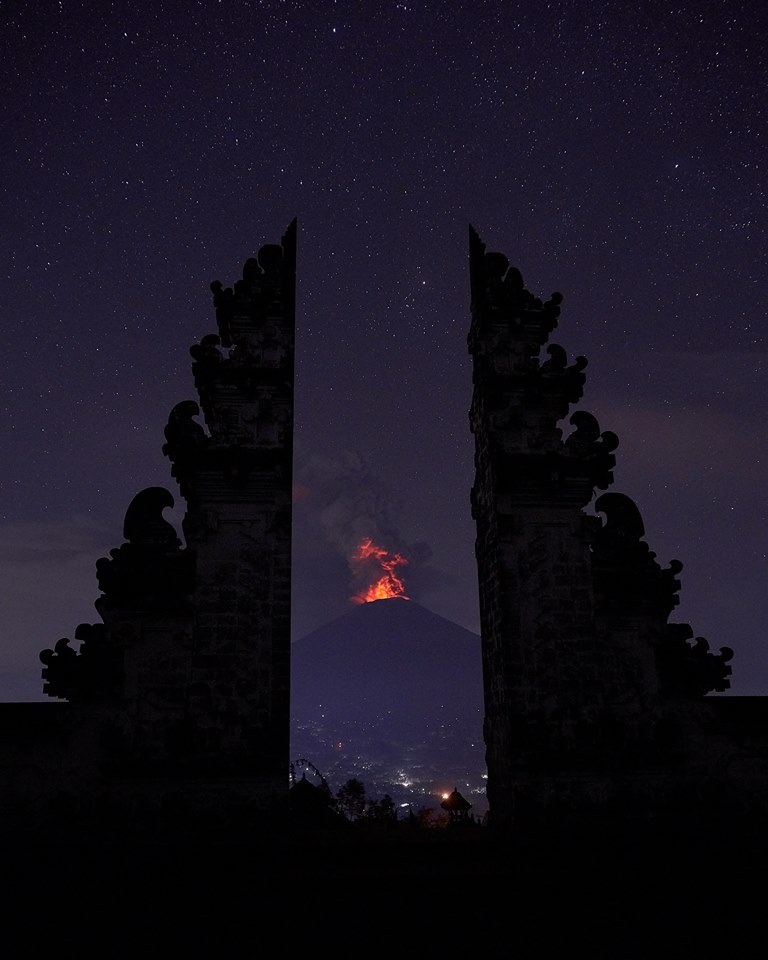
[{"x": 47, "y": 587}]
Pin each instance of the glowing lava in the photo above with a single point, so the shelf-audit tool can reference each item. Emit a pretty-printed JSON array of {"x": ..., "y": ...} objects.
[{"x": 388, "y": 585}]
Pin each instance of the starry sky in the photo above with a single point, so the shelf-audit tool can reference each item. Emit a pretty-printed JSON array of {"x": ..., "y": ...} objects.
[{"x": 614, "y": 151}]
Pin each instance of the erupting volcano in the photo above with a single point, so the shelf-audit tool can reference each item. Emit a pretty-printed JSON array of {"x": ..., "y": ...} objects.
[{"x": 381, "y": 564}]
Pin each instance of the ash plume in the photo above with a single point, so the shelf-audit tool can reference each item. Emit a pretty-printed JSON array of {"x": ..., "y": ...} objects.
[{"x": 343, "y": 502}]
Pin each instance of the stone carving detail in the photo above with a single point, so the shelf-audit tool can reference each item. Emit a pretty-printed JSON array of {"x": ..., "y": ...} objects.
[
  {"x": 207, "y": 352},
  {"x": 630, "y": 582},
  {"x": 184, "y": 440},
  {"x": 259, "y": 288},
  {"x": 148, "y": 576},
  {"x": 95, "y": 672},
  {"x": 628, "y": 578},
  {"x": 60, "y": 671},
  {"x": 182, "y": 435},
  {"x": 150, "y": 571},
  {"x": 567, "y": 380},
  {"x": 224, "y": 303},
  {"x": 501, "y": 297},
  {"x": 595, "y": 447},
  {"x": 525, "y": 396},
  {"x": 686, "y": 670},
  {"x": 244, "y": 373}
]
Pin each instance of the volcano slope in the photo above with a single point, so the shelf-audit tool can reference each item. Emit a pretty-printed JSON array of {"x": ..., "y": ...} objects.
[{"x": 391, "y": 694}]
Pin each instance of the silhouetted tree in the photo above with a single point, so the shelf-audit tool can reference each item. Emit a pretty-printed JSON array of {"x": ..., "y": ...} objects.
[
  {"x": 351, "y": 799},
  {"x": 381, "y": 812}
]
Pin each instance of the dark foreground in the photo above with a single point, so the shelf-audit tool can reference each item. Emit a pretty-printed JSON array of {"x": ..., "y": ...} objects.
[{"x": 382, "y": 893}]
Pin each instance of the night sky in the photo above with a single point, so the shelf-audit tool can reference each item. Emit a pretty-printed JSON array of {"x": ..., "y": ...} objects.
[{"x": 615, "y": 152}]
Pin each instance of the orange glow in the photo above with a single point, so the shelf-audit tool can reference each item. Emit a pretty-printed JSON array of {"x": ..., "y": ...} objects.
[{"x": 388, "y": 585}]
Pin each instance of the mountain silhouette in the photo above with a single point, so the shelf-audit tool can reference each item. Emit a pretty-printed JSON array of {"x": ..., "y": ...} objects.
[{"x": 392, "y": 695}]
